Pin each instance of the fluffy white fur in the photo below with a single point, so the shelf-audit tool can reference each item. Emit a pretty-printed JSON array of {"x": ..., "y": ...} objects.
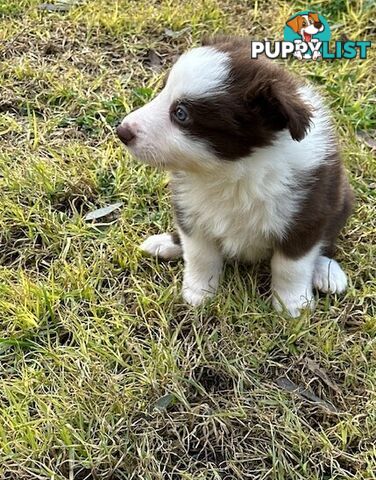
[
  {"x": 292, "y": 282},
  {"x": 328, "y": 276},
  {"x": 162, "y": 246},
  {"x": 239, "y": 207},
  {"x": 203, "y": 265}
]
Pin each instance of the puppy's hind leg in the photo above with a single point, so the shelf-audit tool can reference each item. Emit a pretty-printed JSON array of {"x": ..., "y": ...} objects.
[
  {"x": 165, "y": 246},
  {"x": 292, "y": 281}
]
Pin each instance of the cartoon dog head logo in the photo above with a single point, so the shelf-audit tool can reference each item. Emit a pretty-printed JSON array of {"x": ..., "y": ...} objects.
[{"x": 308, "y": 27}]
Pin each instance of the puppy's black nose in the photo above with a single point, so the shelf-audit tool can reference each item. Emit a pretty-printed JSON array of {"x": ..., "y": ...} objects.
[
  {"x": 318, "y": 24},
  {"x": 125, "y": 133}
]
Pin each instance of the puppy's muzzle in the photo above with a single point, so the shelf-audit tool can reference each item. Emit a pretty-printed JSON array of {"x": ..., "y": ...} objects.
[{"x": 125, "y": 133}]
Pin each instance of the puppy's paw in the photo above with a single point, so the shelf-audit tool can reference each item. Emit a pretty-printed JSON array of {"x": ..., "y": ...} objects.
[
  {"x": 293, "y": 304},
  {"x": 195, "y": 296},
  {"x": 328, "y": 276},
  {"x": 162, "y": 246}
]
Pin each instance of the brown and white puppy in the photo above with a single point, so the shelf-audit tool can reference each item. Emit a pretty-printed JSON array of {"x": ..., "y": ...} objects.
[{"x": 255, "y": 173}]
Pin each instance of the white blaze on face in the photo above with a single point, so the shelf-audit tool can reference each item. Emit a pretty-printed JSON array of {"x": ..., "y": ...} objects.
[{"x": 198, "y": 73}]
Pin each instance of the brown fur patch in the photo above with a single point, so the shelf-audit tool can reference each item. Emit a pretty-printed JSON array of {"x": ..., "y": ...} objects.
[{"x": 323, "y": 212}]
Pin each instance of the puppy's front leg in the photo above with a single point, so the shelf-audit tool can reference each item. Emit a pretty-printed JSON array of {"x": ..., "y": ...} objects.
[
  {"x": 202, "y": 268},
  {"x": 292, "y": 281}
]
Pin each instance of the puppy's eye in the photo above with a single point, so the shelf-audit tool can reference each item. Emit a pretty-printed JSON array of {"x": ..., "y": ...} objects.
[
  {"x": 304, "y": 24},
  {"x": 181, "y": 113}
]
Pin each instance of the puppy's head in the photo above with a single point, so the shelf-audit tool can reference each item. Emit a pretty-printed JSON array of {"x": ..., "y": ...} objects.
[{"x": 218, "y": 105}]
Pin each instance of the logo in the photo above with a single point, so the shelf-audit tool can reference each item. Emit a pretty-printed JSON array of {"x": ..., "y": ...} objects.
[
  {"x": 306, "y": 36},
  {"x": 310, "y": 29}
]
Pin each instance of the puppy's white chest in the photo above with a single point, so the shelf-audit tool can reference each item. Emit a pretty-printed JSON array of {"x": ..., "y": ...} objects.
[
  {"x": 243, "y": 218},
  {"x": 241, "y": 232}
]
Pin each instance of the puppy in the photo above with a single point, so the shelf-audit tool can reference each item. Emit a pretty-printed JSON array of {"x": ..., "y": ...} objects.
[
  {"x": 255, "y": 173},
  {"x": 307, "y": 26}
]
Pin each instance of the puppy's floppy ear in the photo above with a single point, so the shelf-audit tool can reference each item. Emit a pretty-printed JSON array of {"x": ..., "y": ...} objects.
[
  {"x": 294, "y": 23},
  {"x": 281, "y": 107},
  {"x": 295, "y": 111}
]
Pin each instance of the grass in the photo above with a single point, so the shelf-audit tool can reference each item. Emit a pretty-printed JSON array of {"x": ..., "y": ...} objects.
[{"x": 104, "y": 373}]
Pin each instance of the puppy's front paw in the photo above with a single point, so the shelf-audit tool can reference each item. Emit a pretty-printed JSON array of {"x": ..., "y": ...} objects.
[
  {"x": 292, "y": 303},
  {"x": 162, "y": 246},
  {"x": 328, "y": 276},
  {"x": 195, "y": 296}
]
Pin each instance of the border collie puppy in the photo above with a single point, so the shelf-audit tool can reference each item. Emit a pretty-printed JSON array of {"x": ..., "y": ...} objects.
[{"x": 255, "y": 172}]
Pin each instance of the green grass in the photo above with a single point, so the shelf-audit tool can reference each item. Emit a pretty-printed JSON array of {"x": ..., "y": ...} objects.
[{"x": 104, "y": 372}]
